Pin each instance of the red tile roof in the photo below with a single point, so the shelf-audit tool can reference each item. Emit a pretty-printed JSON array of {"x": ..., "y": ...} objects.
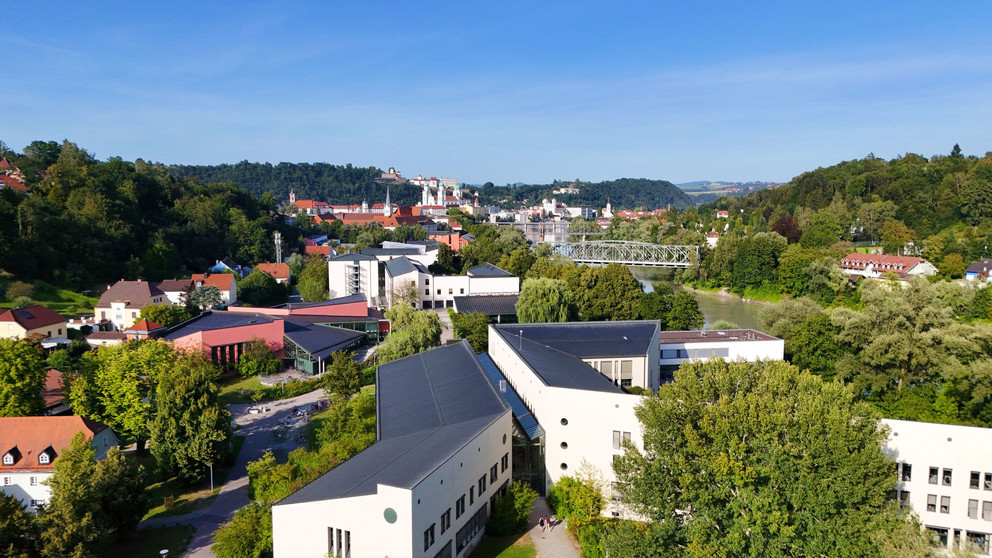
[
  {"x": 144, "y": 326},
  {"x": 4, "y": 163},
  {"x": 276, "y": 270},
  {"x": 107, "y": 336},
  {"x": 223, "y": 281},
  {"x": 897, "y": 264},
  {"x": 320, "y": 250},
  {"x": 52, "y": 393},
  {"x": 32, "y": 317},
  {"x": 27, "y": 437},
  {"x": 13, "y": 183}
]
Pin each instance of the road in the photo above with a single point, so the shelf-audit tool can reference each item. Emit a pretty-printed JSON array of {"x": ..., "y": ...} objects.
[{"x": 233, "y": 496}]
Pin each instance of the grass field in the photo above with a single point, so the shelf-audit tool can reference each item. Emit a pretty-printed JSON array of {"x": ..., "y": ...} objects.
[
  {"x": 185, "y": 499},
  {"x": 148, "y": 543},
  {"x": 236, "y": 389},
  {"x": 63, "y": 301},
  {"x": 520, "y": 546}
]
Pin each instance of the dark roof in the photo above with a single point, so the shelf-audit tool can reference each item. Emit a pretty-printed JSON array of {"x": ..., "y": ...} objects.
[
  {"x": 487, "y": 270},
  {"x": 399, "y": 266},
  {"x": 527, "y": 421},
  {"x": 491, "y": 305},
  {"x": 32, "y": 317},
  {"x": 981, "y": 266},
  {"x": 320, "y": 341},
  {"x": 174, "y": 285},
  {"x": 713, "y": 335},
  {"x": 389, "y": 251},
  {"x": 429, "y": 244},
  {"x": 357, "y": 297},
  {"x": 352, "y": 258},
  {"x": 138, "y": 293},
  {"x": 554, "y": 367},
  {"x": 428, "y": 406},
  {"x": 98, "y": 335},
  {"x": 592, "y": 339},
  {"x": 215, "y": 319}
]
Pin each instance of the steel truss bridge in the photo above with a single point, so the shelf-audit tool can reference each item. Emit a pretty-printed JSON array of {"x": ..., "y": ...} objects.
[{"x": 629, "y": 253}]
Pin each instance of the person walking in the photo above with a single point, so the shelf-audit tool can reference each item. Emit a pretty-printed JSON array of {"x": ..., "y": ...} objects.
[{"x": 541, "y": 523}]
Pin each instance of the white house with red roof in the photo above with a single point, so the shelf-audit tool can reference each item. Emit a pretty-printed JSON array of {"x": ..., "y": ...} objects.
[
  {"x": 224, "y": 282},
  {"x": 278, "y": 271},
  {"x": 712, "y": 238},
  {"x": 878, "y": 265},
  {"x": 121, "y": 304},
  {"x": 29, "y": 447}
]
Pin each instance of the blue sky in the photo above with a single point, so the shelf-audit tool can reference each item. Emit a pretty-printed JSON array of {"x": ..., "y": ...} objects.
[{"x": 504, "y": 91}]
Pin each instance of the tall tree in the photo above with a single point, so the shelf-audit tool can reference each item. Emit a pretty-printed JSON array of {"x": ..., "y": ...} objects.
[
  {"x": 313, "y": 284},
  {"x": 19, "y": 532},
  {"x": 617, "y": 294},
  {"x": 257, "y": 359},
  {"x": 71, "y": 521},
  {"x": 343, "y": 377},
  {"x": 166, "y": 315},
  {"x": 411, "y": 331},
  {"x": 474, "y": 328},
  {"x": 22, "y": 375},
  {"x": 771, "y": 461},
  {"x": 191, "y": 429},
  {"x": 543, "y": 300},
  {"x": 261, "y": 289},
  {"x": 685, "y": 313}
]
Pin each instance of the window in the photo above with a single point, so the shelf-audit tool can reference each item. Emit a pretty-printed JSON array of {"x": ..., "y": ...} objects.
[
  {"x": 987, "y": 511},
  {"x": 931, "y": 502},
  {"x": 504, "y": 463},
  {"x": 945, "y": 504},
  {"x": 439, "y": 291},
  {"x": 975, "y": 479},
  {"x": 564, "y": 422},
  {"x": 973, "y": 509},
  {"x": 988, "y": 481},
  {"x": 427, "y": 281},
  {"x": 482, "y": 485},
  {"x": 461, "y": 291},
  {"x": 616, "y": 439},
  {"x": 8, "y": 459},
  {"x": 429, "y": 537},
  {"x": 626, "y": 436},
  {"x": 493, "y": 474},
  {"x": 907, "y": 472},
  {"x": 445, "y": 520},
  {"x": 450, "y": 291},
  {"x": 934, "y": 473},
  {"x": 471, "y": 495},
  {"x": 904, "y": 499},
  {"x": 460, "y": 507},
  {"x": 427, "y": 292},
  {"x": 946, "y": 477},
  {"x": 37, "y": 503},
  {"x": 979, "y": 542},
  {"x": 626, "y": 382},
  {"x": 33, "y": 481},
  {"x": 940, "y": 535},
  {"x": 6, "y": 481},
  {"x": 43, "y": 458},
  {"x": 606, "y": 367}
]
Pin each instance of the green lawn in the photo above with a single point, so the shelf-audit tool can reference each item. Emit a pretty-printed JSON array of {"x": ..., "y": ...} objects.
[
  {"x": 236, "y": 389},
  {"x": 63, "y": 301},
  {"x": 520, "y": 546},
  {"x": 185, "y": 498},
  {"x": 148, "y": 543}
]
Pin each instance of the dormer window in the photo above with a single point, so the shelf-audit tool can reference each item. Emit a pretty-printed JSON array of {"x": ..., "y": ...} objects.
[
  {"x": 12, "y": 456},
  {"x": 44, "y": 459},
  {"x": 8, "y": 459}
]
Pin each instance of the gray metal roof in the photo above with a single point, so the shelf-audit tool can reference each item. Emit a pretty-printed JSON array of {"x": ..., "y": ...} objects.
[
  {"x": 318, "y": 340},
  {"x": 399, "y": 266},
  {"x": 527, "y": 421},
  {"x": 592, "y": 339},
  {"x": 216, "y": 319},
  {"x": 491, "y": 305},
  {"x": 352, "y": 258},
  {"x": 357, "y": 297},
  {"x": 487, "y": 270},
  {"x": 554, "y": 367},
  {"x": 428, "y": 406},
  {"x": 389, "y": 251}
]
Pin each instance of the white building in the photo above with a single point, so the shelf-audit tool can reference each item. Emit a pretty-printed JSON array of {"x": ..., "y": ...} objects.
[
  {"x": 874, "y": 266},
  {"x": 945, "y": 475},
  {"x": 428, "y": 484},
  {"x": 559, "y": 371},
  {"x": 29, "y": 447},
  {"x": 749, "y": 345}
]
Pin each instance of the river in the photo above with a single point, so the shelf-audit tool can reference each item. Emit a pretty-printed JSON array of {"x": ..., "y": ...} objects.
[{"x": 714, "y": 307}]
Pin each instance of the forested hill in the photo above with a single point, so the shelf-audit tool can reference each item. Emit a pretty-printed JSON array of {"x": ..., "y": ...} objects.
[
  {"x": 927, "y": 195},
  {"x": 336, "y": 184},
  {"x": 624, "y": 193}
]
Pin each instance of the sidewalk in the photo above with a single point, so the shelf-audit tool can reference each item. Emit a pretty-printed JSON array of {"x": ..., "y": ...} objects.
[{"x": 554, "y": 542}]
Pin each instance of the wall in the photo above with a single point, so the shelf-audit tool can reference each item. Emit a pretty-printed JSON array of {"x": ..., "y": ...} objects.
[
  {"x": 749, "y": 351},
  {"x": 339, "y": 272},
  {"x": 494, "y": 285},
  {"x": 271, "y": 332},
  {"x": 963, "y": 450}
]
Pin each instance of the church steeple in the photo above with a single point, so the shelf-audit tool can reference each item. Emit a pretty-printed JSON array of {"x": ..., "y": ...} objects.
[{"x": 387, "y": 209}]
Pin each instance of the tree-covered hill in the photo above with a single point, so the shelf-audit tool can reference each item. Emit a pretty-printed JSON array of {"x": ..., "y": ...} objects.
[
  {"x": 623, "y": 193},
  {"x": 335, "y": 184}
]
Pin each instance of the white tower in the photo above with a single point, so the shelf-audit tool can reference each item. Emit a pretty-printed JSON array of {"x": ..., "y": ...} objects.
[
  {"x": 387, "y": 208},
  {"x": 292, "y": 197}
]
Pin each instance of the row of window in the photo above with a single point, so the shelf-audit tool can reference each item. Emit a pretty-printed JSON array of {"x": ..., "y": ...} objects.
[
  {"x": 943, "y": 476},
  {"x": 978, "y": 542},
  {"x": 338, "y": 542},
  {"x": 33, "y": 481},
  {"x": 427, "y": 292},
  {"x": 482, "y": 484},
  {"x": 620, "y": 437}
]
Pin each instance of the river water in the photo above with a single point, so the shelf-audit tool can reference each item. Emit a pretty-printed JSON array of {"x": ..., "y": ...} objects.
[{"x": 714, "y": 307}]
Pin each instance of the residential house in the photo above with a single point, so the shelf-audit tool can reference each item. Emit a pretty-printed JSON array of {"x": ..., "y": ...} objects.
[
  {"x": 224, "y": 282},
  {"x": 32, "y": 322},
  {"x": 120, "y": 305},
  {"x": 227, "y": 265},
  {"x": 456, "y": 240},
  {"x": 979, "y": 271},
  {"x": 712, "y": 238},
  {"x": 30, "y": 446},
  {"x": 105, "y": 338},
  {"x": 144, "y": 329},
  {"x": 278, "y": 271},
  {"x": 176, "y": 290},
  {"x": 53, "y": 394},
  {"x": 722, "y": 214},
  {"x": 874, "y": 266}
]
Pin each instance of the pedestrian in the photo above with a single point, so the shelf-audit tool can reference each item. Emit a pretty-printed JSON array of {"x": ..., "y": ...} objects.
[{"x": 541, "y": 522}]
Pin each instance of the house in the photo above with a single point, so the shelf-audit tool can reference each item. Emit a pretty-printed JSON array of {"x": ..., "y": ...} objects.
[
  {"x": 7, "y": 181},
  {"x": 456, "y": 240},
  {"x": 874, "y": 266},
  {"x": 427, "y": 485},
  {"x": 278, "y": 271},
  {"x": 227, "y": 265},
  {"x": 712, "y": 238},
  {"x": 722, "y": 214},
  {"x": 53, "y": 394},
  {"x": 29, "y": 447},
  {"x": 144, "y": 329},
  {"x": 679, "y": 347},
  {"x": 223, "y": 282},
  {"x": 501, "y": 309},
  {"x": 944, "y": 474},
  {"x": 105, "y": 338},
  {"x": 176, "y": 290},
  {"x": 120, "y": 305},
  {"x": 440, "y": 291},
  {"x": 32, "y": 322},
  {"x": 979, "y": 271},
  {"x": 317, "y": 251},
  {"x": 311, "y": 207}
]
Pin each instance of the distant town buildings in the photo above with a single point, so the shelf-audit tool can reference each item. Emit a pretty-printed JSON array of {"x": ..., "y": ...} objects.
[{"x": 874, "y": 266}]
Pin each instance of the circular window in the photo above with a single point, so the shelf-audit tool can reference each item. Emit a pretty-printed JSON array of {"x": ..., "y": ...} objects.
[
  {"x": 564, "y": 445},
  {"x": 390, "y": 515},
  {"x": 504, "y": 438},
  {"x": 564, "y": 466},
  {"x": 564, "y": 422}
]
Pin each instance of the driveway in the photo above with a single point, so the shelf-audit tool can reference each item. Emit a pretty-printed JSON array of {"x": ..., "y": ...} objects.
[{"x": 233, "y": 496}]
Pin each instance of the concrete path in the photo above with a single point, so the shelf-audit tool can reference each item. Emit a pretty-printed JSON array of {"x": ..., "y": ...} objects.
[
  {"x": 447, "y": 329},
  {"x": 553, "y": 542},
  {"x": 233, "y": 496}
]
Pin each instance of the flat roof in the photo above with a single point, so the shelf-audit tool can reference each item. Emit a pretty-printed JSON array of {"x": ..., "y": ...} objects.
[
  {"x": 491, "y": 305},
  {"x": 216, "y": 319},
  {"x": 591, "y": 339},
  {"x": 428, "y": 406},
  {"x": 357, "y": 297},
  {"x": 487, "y": 270},
  {"x": 714, "y": 336},
  {"x": 554, "y": 367}
]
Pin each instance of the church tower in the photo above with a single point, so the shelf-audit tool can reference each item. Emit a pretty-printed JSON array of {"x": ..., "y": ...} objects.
[
  {"x": 292, "y": 197},
  {"x": 387, "y": 208}
]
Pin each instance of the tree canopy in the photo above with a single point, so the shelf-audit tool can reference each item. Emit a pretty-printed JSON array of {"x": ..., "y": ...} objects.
[{"x": 22, "y": 375}]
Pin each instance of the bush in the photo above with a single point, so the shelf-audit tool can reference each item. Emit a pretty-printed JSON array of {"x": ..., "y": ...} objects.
[
  {"x": 247, "y": 535},
  {"x": 510, "y": 513},
  {"x": 19, "y": 289},
  {"x": 24, "y": 302},
  {"x": 368, "y": 376},
  {"x": 578, "y": 501}
]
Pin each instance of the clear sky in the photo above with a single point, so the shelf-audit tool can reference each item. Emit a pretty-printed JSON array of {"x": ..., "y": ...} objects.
[{"x": 504, "y": 91}]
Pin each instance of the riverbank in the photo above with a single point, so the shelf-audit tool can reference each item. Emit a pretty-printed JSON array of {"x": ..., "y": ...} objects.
[{"x": 724, "y": 293}]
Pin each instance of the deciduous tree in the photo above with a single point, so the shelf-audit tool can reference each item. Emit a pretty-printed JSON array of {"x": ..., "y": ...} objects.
[
  {"x": 685, "y": 313},
  {"x": 261, "y": 289},
  {"x": 543, "y": 300},
  {"x": 344, "y": 376},
  {"x": 166, "y": 315},
  {"x": 257, "y": 359},
  {"x": 313, "y": 283},
  {"x": 19, "y": 531},
  {"x": 473, "y": 327},
  {"x": 22, "y": 375}
]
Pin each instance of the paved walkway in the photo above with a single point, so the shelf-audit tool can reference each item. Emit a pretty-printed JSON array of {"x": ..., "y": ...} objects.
[
  {"x": 233, "y": 496},
  {"x": 554, "y": 542},
  {"x": 447, "y": 328}
]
